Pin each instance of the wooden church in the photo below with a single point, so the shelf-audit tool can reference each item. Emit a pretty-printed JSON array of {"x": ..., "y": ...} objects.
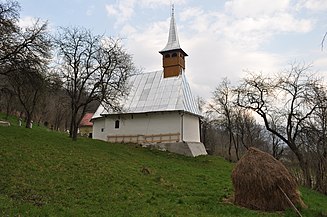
[{"x": 159, "y": 111}]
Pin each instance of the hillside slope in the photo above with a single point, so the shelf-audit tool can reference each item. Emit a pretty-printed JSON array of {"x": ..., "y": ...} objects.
[{"x": 44, "y": 173}]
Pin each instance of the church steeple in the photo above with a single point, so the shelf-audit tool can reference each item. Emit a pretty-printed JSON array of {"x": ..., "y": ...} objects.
[{"x": 172, "y": 55}]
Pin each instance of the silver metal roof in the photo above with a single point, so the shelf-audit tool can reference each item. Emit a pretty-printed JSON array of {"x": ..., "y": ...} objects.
[
  {"x": 173, "y": 42},
  {"x": 151, "y": 92}
]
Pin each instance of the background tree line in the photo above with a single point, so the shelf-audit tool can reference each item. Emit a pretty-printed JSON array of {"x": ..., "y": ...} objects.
[
  {"x": 54, "y": 79},
  {"x": 284, "y": 114}
]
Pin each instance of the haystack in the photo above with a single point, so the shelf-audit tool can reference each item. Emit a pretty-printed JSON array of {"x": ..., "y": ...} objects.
[{"x": 263, "y": 183}]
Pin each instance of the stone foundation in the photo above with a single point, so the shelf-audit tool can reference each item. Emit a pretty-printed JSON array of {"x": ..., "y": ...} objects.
[{"x": 192, "y": 149}]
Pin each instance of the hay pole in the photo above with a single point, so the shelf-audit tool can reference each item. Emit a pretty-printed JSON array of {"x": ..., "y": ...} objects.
[{"x": 290, "y": 202}]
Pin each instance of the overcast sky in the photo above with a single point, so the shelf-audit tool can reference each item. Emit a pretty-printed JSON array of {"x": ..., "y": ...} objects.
[{"x": 222, "y": 38}]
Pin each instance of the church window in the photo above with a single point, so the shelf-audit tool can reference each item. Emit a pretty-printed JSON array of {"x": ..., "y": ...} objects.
[
  {"x": 167, "y": 55},
  {"x": 116, "y": 124},
  {"x": 174, "y": 55}
]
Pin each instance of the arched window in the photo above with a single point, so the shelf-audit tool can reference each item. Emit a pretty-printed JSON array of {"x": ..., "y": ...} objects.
[
  {"x": 116, "y": 124},
  {"x": 167, "y": 55},
  {"x": 174, "y": 55}
]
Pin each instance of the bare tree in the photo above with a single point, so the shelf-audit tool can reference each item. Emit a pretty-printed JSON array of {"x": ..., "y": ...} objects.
[
  {"x": 28, "y": 86},
  {"x": 276, "y": 144},
  {"x": 24, "y": 55},
  {"x": 9, "y": 14},
  {"x": 58, "y": 106},
  {"x": 93, "y": 68},
  {"x": 248, "y": 132},
  {"x": 17, "y": 44},
  {"x": 222, "y": 105},
  {"x": 289, "y": 97},
  {"x": 314, "y": 137},
  {"x": 234, "y": 122},
  {"x": 7, "y": 98}
]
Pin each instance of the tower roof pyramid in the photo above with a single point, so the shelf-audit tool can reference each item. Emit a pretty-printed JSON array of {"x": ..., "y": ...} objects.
[{"x": 173, "y": 41}]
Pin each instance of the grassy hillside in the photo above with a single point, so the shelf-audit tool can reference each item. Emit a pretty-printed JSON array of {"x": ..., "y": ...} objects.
[{"x": 44, "y": 173}]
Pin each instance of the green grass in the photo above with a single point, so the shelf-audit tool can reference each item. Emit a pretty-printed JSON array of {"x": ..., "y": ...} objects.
[{"x": 44, "y": 173}]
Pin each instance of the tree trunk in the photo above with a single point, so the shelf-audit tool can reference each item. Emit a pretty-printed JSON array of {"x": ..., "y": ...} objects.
[
  {"x": 321, "y": 176},
  {"x": 28, "y": 120},
  {"x": 72, "y": 123},
  {"x": 75, "y": 131},
  {"x": 307, "y": 180},
  {"x": 306, "y": 173},
  {"x": 58, "y": 120},
  {"x": 236, "y": 146},
  {"x": 8, "y": 106},
  {"x": 305, "y": 169},
  {"x": 230, "y": 148}
]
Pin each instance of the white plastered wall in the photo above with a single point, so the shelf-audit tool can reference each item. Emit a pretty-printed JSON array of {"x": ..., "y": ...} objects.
[
  {"x": 137, "y": 124},
  {"x": 191, "y": 129},
  {"x": 99, "y": 129}
]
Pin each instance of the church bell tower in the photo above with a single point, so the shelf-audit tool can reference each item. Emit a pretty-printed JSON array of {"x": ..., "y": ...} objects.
[{"x": 173, "y": 57}]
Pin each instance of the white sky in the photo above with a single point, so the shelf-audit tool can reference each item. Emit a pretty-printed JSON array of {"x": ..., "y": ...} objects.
[{"x": 222, "y": 38}]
